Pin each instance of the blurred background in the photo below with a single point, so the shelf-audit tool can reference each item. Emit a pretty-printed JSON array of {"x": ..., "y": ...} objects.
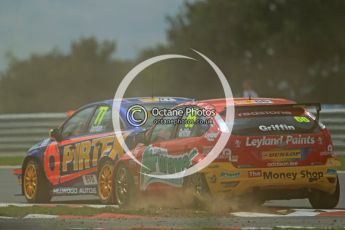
[{"x": 58, "y": 55}]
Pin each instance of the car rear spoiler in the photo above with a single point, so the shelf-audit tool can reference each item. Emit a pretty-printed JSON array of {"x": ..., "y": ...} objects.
[{"x": 283, "y": 106}]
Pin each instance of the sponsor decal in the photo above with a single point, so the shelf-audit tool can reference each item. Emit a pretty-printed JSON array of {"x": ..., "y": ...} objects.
[
  {"x": 191, "y": 118},
  {"x": 281, "y": 155},
  {"x": 301, "y": 119},
  {"x": 74, "y": 190},
  {"x": 254, "y": 173},
  {"x": 89, "y": 179},
  {"x": 263, "y": 113},
  {"x": 282, "y": 140},
  {"x": 282, "y": 164},
  {"x": 211, "y": 136},
  {"x": 276, "y": 127},
  {"x": 184, "y": 132},
  {"x": 157, "y": 161},
  {"x": 331, "y": 171},
  {"x": 238, "y": 143},
  {"x": 229, "y": 183},
  {"x": 100, "y": 115},
  {"x": 225, "y": 155},
  {"x": 244, "y": 102},
  {"x": 263, "y": 101},
  {"x": 329, "y": 151},
  {"x": 51, "y": 163},
  {"x": 234, "y": 158},
  {"x": 316, "y": 175},
  {"x": 156, "y": 99},
  {"x": 230, "y": 174},
  {"x": 85, "y": 155}
]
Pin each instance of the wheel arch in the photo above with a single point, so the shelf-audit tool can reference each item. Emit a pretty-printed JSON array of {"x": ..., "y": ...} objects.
[{"x": 101, "y": 162}]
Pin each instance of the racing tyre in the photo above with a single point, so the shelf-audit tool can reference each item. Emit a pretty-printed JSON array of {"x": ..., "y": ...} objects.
[
  {"x": 36, "y": 187},
  {"x": 323, "y": 200},
  {"x": 124, "y": 186},
  {"x": 196, "y": 186},
  {"x": 106, "y": 183}
]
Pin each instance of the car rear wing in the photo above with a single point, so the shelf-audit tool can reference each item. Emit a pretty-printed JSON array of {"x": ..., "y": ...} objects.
[{"x": 252, "y": 107}]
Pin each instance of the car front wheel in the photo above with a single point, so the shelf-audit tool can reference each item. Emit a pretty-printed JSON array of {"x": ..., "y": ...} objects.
[
  {"x": 105, "y": 183},
  {"x": 35, "y": 185}
]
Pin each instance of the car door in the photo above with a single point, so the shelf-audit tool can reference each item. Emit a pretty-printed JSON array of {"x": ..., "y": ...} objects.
[
  {"x": 102, "y": 133},
  {"x": 156, "y": 157},
  {"x": 76, "y": 145},
  {"x": 173, "y": 146}
]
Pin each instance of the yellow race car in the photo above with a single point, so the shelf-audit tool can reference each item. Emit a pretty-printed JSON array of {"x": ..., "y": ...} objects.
[{"x": 277, "y": 150}]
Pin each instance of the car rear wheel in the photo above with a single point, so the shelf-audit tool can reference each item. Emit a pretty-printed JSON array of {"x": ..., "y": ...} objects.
[
  {"x": 124, "y": 186},
  {"x": 196, "y": 186},
  {"x": 323, "y": 200},
  {"x": 105, "y": 183},
  {"x": 35, "y": 185}
]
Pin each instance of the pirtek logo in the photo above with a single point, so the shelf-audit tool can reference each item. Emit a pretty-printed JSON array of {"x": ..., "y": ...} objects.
[{"x": 84, "y": 155}]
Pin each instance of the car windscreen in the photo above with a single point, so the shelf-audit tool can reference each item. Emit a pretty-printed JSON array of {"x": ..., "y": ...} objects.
[{"x": 273, "y": 123}]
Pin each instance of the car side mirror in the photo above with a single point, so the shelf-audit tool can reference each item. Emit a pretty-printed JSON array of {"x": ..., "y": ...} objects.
[{"x": 55, "y": 134}]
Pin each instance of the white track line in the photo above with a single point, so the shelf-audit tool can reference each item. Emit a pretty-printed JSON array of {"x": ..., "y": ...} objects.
[
  {"x": 10, "y": 166},
  {"x": 254, "y": 214},
  {"x": 295, "y": 213},
  {"x": 40, "y": 216},
  {"x": 15, "y": 204},
  {"x": 296, "y": 227},
  {"x": 65, "y": 205},
  {"x": 6, "y": 217}
]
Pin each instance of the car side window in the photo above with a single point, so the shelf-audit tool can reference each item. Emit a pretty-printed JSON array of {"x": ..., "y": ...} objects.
[
  {"x": 101, "y": 121},
  {"x": 192, "y": 125},
  {"x": 164, "y": 130},
  {"x": 77, "y": 124}
]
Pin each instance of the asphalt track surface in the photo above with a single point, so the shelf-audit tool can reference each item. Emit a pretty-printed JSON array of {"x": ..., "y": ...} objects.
[{"x": 9, "y": 191}]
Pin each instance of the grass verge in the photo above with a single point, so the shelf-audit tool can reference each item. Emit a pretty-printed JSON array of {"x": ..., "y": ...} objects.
[
  {"x": 342, "y": 159},
  {"x": 14, "y": 211},
  {"x": 11, "y": 160}
]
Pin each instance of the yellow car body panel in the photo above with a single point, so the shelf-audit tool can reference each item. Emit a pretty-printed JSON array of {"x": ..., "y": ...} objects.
[{"x": 223, "y": 177}]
